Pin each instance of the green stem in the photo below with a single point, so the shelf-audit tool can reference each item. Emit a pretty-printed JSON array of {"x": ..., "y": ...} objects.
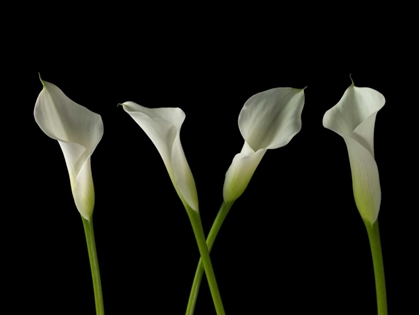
[
  {"x": 378, "y": 266},
  {"x": 221, "y": 215},
  {"x": 205, "y": 256},
  {"x": 94, "y": 266}
]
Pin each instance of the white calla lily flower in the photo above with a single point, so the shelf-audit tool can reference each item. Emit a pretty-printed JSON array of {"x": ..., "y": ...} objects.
[
  {"x": 78, "y": 131},
  {"x": 353, "y": 118},
  {"x": 268, "y": 120},
  {"x": 163, "y": 127}
]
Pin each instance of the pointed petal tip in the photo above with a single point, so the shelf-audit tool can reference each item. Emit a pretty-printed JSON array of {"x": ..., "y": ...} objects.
[
  {"x": 351, "y": 79},
  {"x": 128, "y": 106},
  {"x": 131, "y": 105},
  {"x": 40, "y": 79}
]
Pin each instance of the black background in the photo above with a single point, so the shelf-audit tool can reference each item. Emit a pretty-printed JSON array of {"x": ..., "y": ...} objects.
[{"x": 294, "y": 243}]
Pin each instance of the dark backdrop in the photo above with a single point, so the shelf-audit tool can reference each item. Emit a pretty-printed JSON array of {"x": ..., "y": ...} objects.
[{"x": 294, "y": 243}]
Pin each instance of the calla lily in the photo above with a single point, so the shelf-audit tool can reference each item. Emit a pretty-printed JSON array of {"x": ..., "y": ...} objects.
[
  {"x": 163, "y": 126},
  {"x": 268, "y": 120},
  {"x": 78, "y": 131},
  {"x": 353, "y": 118}
]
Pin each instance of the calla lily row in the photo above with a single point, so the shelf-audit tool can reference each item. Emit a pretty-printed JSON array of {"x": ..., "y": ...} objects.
[{"x": 268, "y": 120}]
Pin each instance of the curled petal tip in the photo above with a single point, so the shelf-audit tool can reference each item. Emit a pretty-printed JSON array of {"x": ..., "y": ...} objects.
[
  {"x": 351, "y": 79},
  {"x": 40, "y": 79}
]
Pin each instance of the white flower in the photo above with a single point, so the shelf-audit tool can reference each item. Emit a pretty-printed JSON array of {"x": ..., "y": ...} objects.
[
  {"x": 268, "y": 120},
  {"x": 353, "y": 118},
  {"x": 163, "y": 127},
  {"x": 78, "y": 131}
]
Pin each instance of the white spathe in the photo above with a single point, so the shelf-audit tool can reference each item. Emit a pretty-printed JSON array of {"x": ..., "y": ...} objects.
[
  {"x": 78, "y": 131},
  {"x": 268, "y": 120},
  {"x": 163, "y": 127},
  {"x": 353, "y": 118}
]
